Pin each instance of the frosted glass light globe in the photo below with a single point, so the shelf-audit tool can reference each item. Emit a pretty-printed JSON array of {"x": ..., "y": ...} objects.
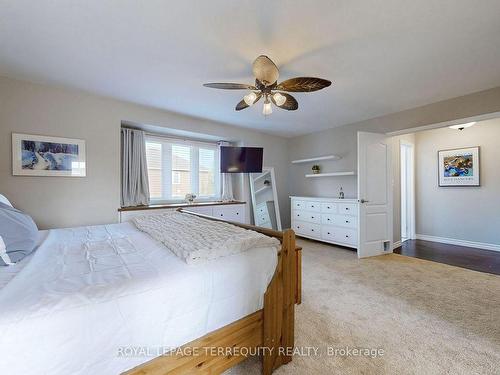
[
  {"x": 279, "y": 99},
  {"x": 249, "y": 99}
]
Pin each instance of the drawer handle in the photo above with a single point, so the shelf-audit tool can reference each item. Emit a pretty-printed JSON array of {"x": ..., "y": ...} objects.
[
  {"x": 328, "y": 207},
  {"x": 221, "y": 214},
  {"x": 312, "y": 230},
  {"x": 298, "y": 226},
  {"x": 328, "y": 219},
  {"x": 312, "y": 217},
  {"x": 346, "y": 236},
  {"x": 347, "y": 221},
  {"x": 237, "y": 213},
  {"x": 312, "y": 205},
  {"x": 347, "y": 208},
  {"x": 328, "y": 232}
]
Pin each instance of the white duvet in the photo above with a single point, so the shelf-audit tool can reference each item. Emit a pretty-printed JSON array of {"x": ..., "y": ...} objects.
[{"x": 91, "y": 297}]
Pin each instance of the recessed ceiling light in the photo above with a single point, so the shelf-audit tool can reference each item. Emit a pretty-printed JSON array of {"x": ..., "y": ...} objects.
[{"x": 462, "y": 126}]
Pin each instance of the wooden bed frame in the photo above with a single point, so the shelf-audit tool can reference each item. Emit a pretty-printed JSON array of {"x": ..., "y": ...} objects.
[{"x": 269, "y": 330}]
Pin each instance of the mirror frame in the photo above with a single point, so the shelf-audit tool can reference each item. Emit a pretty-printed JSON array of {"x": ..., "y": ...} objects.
[{"x": 275, "y": 196}]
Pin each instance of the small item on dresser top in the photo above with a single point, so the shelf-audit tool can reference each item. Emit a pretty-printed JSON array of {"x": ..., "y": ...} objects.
[
  {"x": 190, "y": 197},
  {"x": 315, "y": 169},
  {"x": 341, "y": 193}
]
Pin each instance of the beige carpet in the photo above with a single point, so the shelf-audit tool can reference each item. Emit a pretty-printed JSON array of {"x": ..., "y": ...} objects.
[{"x": 429, "y": 318}]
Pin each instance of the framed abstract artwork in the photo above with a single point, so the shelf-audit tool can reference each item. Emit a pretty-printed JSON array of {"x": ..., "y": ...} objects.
[
  {"x": 37, "y": 155},
  {"x": 459, "y": 167}
]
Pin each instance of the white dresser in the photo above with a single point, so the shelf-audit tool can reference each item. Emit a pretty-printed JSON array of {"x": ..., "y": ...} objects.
[
  {"x": 326, "y": 219},
  {"x": 234, "y": 211}
]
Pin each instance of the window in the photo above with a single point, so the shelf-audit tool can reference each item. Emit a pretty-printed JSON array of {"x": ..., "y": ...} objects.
[{"x": 177, "y": 167}]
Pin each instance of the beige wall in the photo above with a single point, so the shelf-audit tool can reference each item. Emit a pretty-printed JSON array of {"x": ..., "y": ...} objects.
[
  {"x": 62, "y": 202},
  {"x": 464, "y": 213}
]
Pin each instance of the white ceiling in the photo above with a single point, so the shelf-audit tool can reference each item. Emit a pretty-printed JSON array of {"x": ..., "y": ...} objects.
[{"x": 382, "y": 56}]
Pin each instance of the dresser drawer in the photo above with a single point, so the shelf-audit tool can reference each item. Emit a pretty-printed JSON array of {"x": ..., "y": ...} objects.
[
  {"x": 313, "y": 206},
  {"x": 330, "y": 208},
  {"x": 308, "y": 216},
  {"x": 329, "y": 234},
  {"x": 329, "y": 219},
  {"x": 298, "y": 205},
  {"x": 346, "y": 221},
  {"x": 261, "y": 209},
  {"x": 348, "y": 208},
  {"x": 307, "y": 229},
  {"x": 230, "y": 212},
  {"x": 348, "y": 236},
  {"x": 263, "y": 219}
]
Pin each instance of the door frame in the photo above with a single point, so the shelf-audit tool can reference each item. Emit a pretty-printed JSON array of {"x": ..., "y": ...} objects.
[{"x": 410, "y": 189}]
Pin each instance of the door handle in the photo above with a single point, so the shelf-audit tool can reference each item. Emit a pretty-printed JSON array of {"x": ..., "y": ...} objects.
[{"x": 363, "y": 201}]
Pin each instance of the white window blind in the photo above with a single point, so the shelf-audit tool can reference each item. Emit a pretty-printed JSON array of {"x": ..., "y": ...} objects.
[{"x": 178, "y": 167}]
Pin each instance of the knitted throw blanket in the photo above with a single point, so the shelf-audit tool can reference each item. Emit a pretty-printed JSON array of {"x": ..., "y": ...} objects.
[{"x": 196, "y": 239}]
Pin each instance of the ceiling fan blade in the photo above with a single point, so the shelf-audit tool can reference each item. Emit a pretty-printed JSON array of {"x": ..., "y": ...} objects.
[
  {"x": 303, "y": 84},
  {"x": 242, "y": 105},
  {"x": 230, "y": 86},
  {"x": 290, "y": 104},
  {"x": 265, "y": 70}
]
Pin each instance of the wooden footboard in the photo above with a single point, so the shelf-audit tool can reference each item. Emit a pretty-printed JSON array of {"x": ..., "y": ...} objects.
[{"x": 269, "y": 331}]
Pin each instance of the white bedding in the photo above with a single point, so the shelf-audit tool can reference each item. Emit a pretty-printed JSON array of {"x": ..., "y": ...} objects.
[
  {"x": 89, "y": 294},
  {"x": 8, "y": 273}
]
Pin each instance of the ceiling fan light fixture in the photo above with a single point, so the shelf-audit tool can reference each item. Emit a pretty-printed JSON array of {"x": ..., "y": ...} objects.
[
  {"x": 267, "y": 109},
  {"x": 462, "y": 126},
  {"x": 249, "y": 98},
  {"x": 279, "y": 99}
]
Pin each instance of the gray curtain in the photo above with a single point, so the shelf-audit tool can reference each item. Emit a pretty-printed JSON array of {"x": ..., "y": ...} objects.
[{"x": 135, "y": 186}]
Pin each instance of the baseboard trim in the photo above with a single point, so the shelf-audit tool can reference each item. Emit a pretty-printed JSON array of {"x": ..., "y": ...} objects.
[
  {"x": 454, "y": 241},
  {"x": 396, "y": 244}
]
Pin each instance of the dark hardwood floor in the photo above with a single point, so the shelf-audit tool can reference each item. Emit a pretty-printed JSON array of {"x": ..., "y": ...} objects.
[{"x": 460, "y": 256}]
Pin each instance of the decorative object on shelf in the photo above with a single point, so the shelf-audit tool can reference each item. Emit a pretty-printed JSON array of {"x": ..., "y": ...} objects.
[
  {"x": 315, "y": 169},
  {"x": 266, "y": 85},
  {"x": 459, "y": 167},
  {"x": 341, "y": 193},
  {"x": 267, "y": 183},
  {"x": 190, "y": 197},
  {"x": 37, "y": 155}
]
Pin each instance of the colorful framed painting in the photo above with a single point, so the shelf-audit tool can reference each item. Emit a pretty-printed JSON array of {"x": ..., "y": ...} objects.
[
  {"x": 37, "y": 155},
  {"x": 459, "y": 167}
]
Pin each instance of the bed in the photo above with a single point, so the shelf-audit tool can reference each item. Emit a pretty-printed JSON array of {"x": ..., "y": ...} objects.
[{"x": 135, "y": 301}]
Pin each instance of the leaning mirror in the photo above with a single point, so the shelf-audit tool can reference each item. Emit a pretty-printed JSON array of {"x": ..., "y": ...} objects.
[{"x": 266, "y": 212}]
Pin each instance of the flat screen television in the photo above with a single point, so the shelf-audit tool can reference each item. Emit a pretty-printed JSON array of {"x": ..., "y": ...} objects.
[{"x": 241, "y": 159}]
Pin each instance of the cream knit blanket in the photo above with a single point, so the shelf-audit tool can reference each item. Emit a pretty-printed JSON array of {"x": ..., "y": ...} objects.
[{"x": 196, "y": 239}]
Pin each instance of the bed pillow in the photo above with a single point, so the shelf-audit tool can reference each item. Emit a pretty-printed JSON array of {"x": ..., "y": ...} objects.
[
  {"x": 3, "y": 199},
  {"x": 18, "y": 233}
]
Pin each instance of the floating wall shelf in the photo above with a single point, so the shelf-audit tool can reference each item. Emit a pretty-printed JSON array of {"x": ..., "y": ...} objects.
[
  {"x": 326, "y": 157},
  {"x": 333, "y": 174}
]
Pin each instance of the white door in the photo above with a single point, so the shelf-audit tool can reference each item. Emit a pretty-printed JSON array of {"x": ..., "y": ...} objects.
[{"x": 374, "y": 194}]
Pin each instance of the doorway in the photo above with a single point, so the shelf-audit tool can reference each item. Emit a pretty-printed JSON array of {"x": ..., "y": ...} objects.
[{"x": 407, "y": 163}]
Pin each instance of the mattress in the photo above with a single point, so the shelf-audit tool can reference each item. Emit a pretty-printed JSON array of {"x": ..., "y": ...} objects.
[{"x": 103, "y": 299}]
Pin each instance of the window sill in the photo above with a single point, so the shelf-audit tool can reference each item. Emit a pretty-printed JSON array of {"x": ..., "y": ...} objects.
[{"x": 178, "y": 205}]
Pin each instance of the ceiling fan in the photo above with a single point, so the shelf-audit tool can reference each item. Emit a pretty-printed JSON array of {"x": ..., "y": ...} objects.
[{"x": 266, "y": 85}]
